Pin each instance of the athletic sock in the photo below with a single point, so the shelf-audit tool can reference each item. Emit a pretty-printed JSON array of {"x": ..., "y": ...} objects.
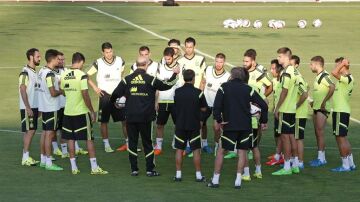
[
  {"x": 295, "y": 162},
  {"x": 287, "y": 164},
  {"x": 258, "y": 169},
  {"x": 178, "y": 174},
  {"x": 215, "y": 179},
  {"x": 198, "y": 175},
  {"x": 345, "y": 162},
  {"x": 238, "y": 179},
  {"x": 204, "y": 142},
  {"x": 64, "y": 149},
  {"x": 277, "y": 157},
  {"x": 159, "y": 142},
  {"x": 73, "y": 164},
  {"x": 127, "y": 142},
  {"x": 351, "y": 160},
  {"x": 25, "y": 156},
  {"x": 93, "y": 163},
  {"x": 321, "y": 156},
  {"x": 246, "y": 171},
  {"x": 43, "y": 159},
  {"x": 48, "y": 161},
  {"x": 55, "y": 146},
  {"x": 106, "y": 142},
  {"x": 77, "y": 148}
]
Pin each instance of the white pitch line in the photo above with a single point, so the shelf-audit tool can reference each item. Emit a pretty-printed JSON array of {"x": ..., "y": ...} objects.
[{"x": 117, "y": 138}]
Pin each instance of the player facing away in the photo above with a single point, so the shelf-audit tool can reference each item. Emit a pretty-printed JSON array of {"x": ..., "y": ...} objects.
[
  {"x": 302, "y": 110},
  {"x": 196, "y": 63},
  {"x": 323, "y": 90},
  {"x": 285, "y": 112},
  {"x": 78, "y": 113},
  {"x": 189, "y": 102},
  {"x": 164, "y": 103},
  {"x": 214, "y": 76},
  {"x": 49, "y": 105},
  {"x": 109, "y": 69},
  {"x": 341, "y": 113},
  {"x": 231, "y": 112},
  {"x": 276, "y": 70},
  {"x": 28, "y": 102}
]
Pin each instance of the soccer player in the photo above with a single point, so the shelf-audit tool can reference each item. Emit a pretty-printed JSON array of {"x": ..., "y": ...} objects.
[
  {"x": 214, "y": 76},
  {"x": 276, "y": 70},
  {"x": 174, "y": 44},
  {"x": 153, "y": 67},
  {"x": 28, "y": 101},
  {"x": 260, "y": 81},
  {"x": 109, "y": 69},
  {"x": 197, "y": 64},
  {"x": 139, "y": 89},
  {"x": 285, "y": 112},
  {"x": 165, "y": 99},
  {"x": 189, "y": 101},
  {"x": 231, "y": 112},
  {"x": 322, "y": 93},
  {"x": 302, "y": 110},
  {"x": 49, "y": 105},
  {"x": 341, "y": 112},
  {"x": 78, "y": 113}
]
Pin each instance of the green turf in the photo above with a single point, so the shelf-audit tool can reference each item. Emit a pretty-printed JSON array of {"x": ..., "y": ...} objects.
[{"x": 72, "y": 27}]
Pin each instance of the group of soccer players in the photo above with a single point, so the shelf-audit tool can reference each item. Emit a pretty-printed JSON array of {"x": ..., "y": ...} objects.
[{"x": 60, "y": 97}]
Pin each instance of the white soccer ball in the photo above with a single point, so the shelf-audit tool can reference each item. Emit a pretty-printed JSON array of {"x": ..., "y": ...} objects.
[
  {"x": 317, "y": 23},
  {"x": 239, "y": 22},
  {"x": 279, "y": 24},
  {"x": 271, "y": 23},
  {"x": 246, "y": 23},
  {"x": 120, "y": 102},
  {"x": 227, "y": 23},
  {"x": 257, "y": 24},
  {"x": 302, "y": 24},
  {"x": 254, "y": 109}
]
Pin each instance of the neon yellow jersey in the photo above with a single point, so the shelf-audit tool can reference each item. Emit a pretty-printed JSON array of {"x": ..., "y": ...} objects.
[
  {"x": 343, "y": 90},
  {"x": 259, "y": 79},
  {"x": 303, "y": 110},
  {"x": 196, "y": 63},
  {"x": 276, "y": 90},
  {"x": 73, "y": 81},
  {"x": 321, "y": 89},
  {"x": 288, "y": 81}
]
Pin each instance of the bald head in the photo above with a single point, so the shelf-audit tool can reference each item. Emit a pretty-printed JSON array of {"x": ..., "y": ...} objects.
[{"x": 142, "y": 62}]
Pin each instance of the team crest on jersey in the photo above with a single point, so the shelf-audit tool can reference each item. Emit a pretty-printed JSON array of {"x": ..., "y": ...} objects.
[
  {"x": 133, "y": 89},
  {"x": 209, "y": 85},
  {"x": 107, "y": 76}
]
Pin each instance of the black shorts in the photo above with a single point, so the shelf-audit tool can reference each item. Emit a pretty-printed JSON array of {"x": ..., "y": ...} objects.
[
  {"x": 254, "y": 138},
  {"x": 340, "y": 123},
  {"x": 326, "y": 113},
  {"x": 205, "y": 115},
  {"x": 29, "y": 123},
  {"x": 49, "y": 121},
  {"x": 276, "y": 127},
  {"x": 182, "y": 136},
  {"x": 106, "y": 108},
  {"x": 231, "y": 140},
  {"x": 286, "y": 123},
  {"x": 60, "y": 118},
  {"x": 165, "y": 110},
  {"x": 77, "y": 127},
  {"x": 300, "y": 128}
]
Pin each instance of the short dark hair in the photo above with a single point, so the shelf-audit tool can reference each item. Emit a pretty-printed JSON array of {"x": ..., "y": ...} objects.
[
  {"x": 50, "y": 54},
  {"x": 251, "y": 53},
  {"x": 240, "y": 73},
  {"x": 296, "y": 59},
  {"x": 31, "y": 52},
  {"x": 169, "y": 51},
  {"x": 144, "y": 48},
  {"x": 77, "y": 57},
  {"x": 284, "y": 50},
  {"x": 188, "y": 75},
  {"x": 220, "y": 55},
  {"x": 318, "y": 59},
  {"x": 190, "y": 40},
  {"x": 106, "y": 45},
  {"x": 60, "y": 53},
  {"x": 278, "y": 67},
  {"x": 174, "y": 41},
  {"x": 340, "y": 59}
]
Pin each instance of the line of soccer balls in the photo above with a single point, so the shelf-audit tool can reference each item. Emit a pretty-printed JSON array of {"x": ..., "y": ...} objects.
[{"x": 274, "y": 24}]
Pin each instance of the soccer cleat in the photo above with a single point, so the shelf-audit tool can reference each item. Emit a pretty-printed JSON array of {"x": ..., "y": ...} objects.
[
  {"x": 246, "y": 178},
  {"x": 317, "y": 163},
  {"x": 29, "y": 162},
  {"x": 98, "y": 171},
  {"x": 177, "y": 179},
  {"x": 275, "y": 162},
  {"x": 258, "y": 175},
  {"x": 152, "y": 173},
  {"x": 207, "y": 149},
  {"x": 157, "y": 152},
  {"x": 191, "y": 155},
  {"x": 353, "y": 168},
  {"x": 57, "y": 152},
  {"x": 54, "y": 167},
  {"x": 81, "y": 151},
  {"x": 108, "y": 149},
  {"x": 64, "y": 156},
  {"x": 282, "y": 172},
  {"x": 75, "y": 172},
  {"x": 212, "y": 185},
  {"x": 340, "y": 169},
  {"x": 134, "y": 173},
  {"x": 250, "y": 155},
  {"x": 237, "y": 187},
  {"x": 203, "y": 179},
  {"x": 122, "y": 148},
  {"x": 295, "y": 170},
  {"x": 230, "y": 155}
]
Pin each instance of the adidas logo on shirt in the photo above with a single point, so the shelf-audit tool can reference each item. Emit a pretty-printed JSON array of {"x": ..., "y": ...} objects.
[
  {"x": 138, "y": 80},
  {"x": 70, "y": 75}
]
